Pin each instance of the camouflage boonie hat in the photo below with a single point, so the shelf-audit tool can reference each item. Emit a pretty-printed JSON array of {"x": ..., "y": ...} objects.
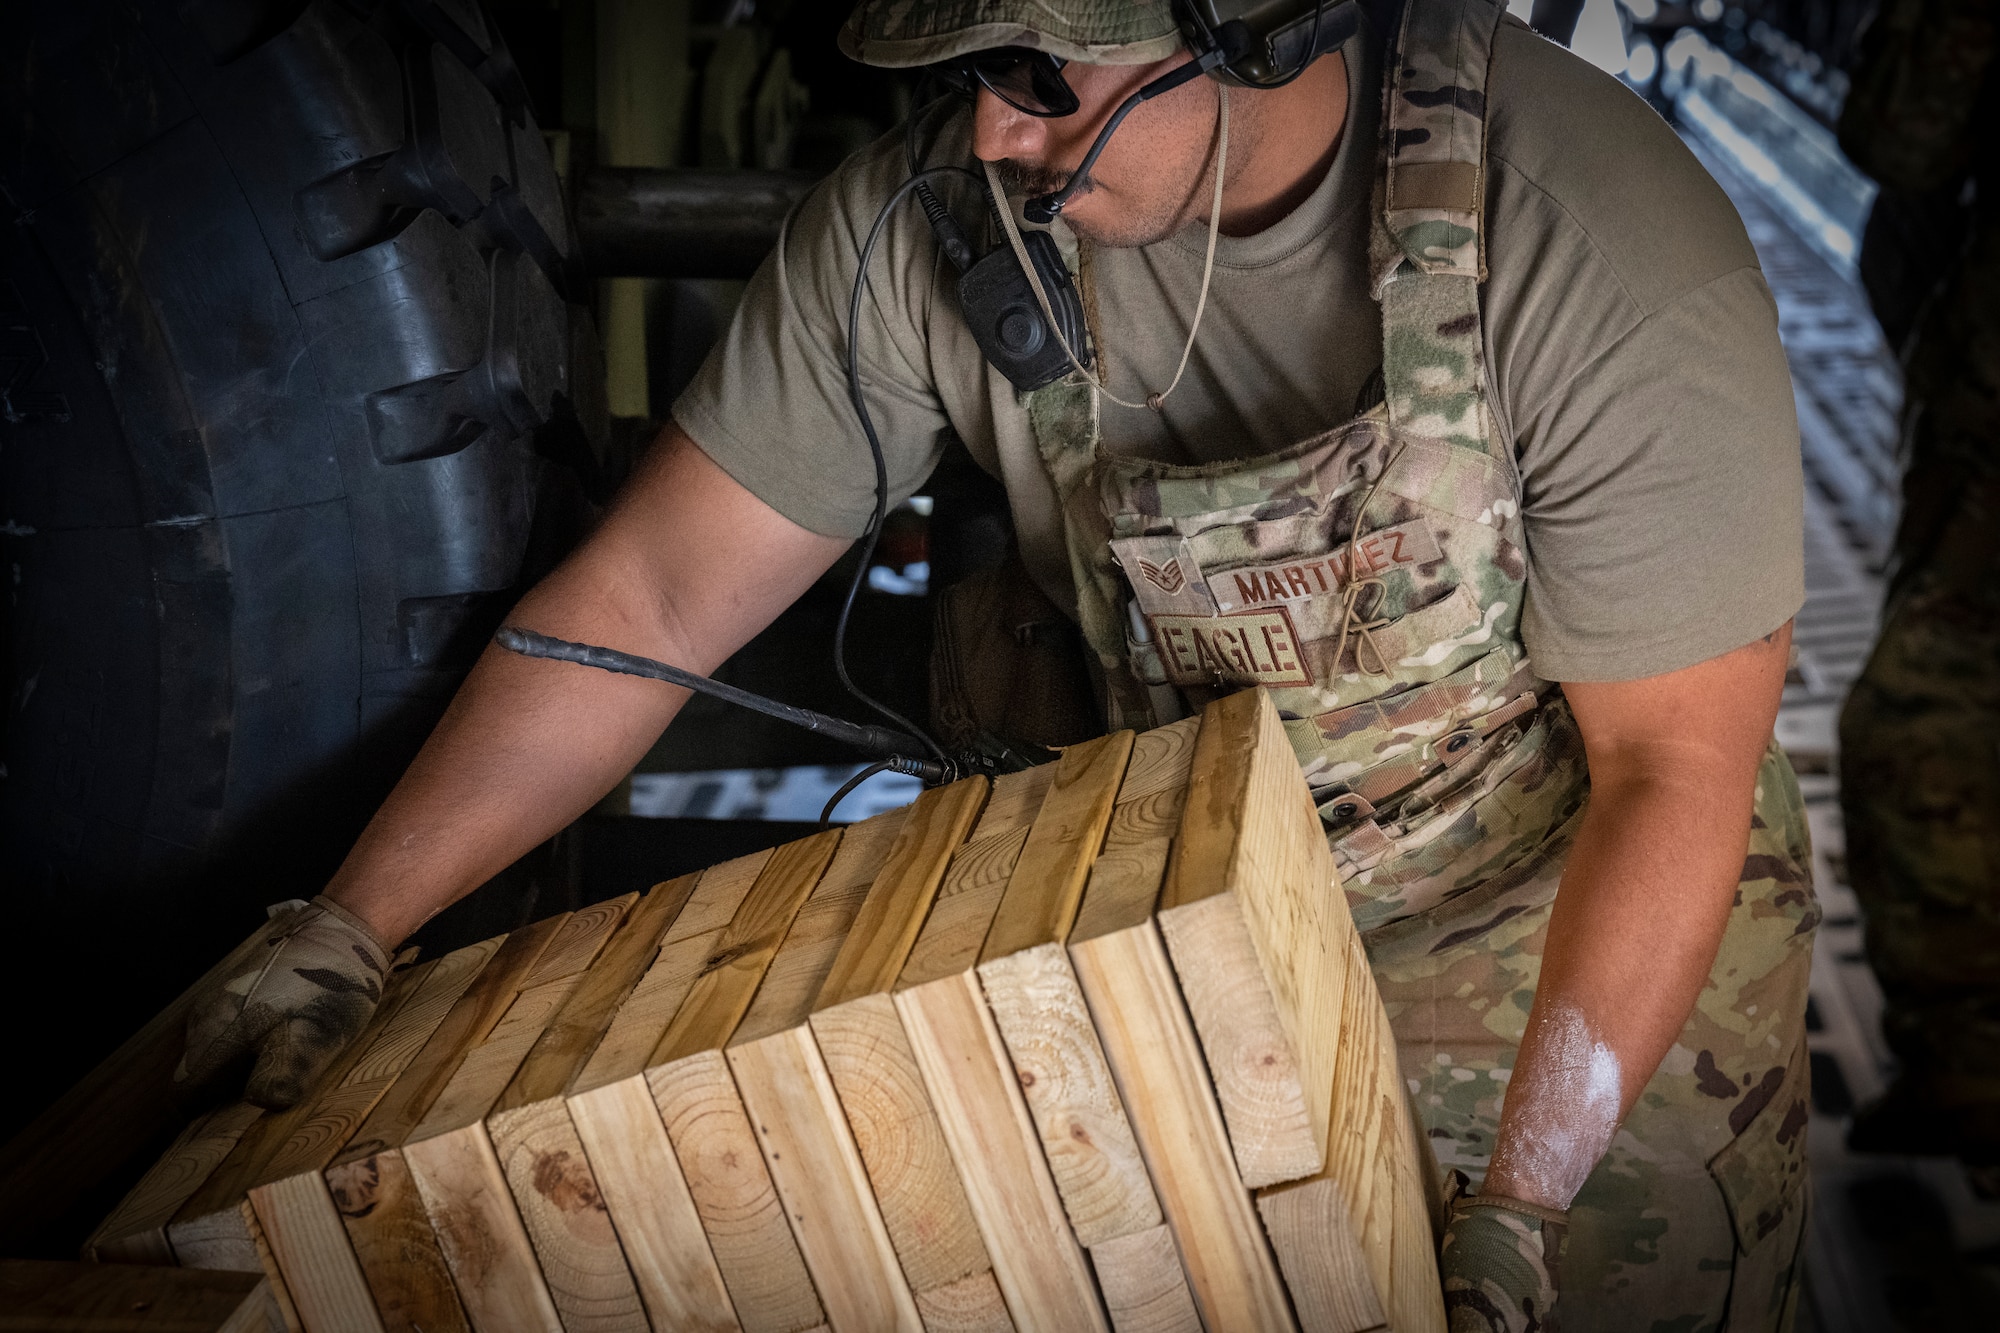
[{"x": 897, "y": 34}]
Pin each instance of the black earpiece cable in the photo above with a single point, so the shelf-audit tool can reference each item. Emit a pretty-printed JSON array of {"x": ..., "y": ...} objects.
[{"x": 874, "y": 530}]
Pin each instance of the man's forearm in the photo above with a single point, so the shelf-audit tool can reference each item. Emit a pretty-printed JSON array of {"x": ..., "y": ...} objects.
[
  {"x": 1644, "y": 901},
  {"x": 524, "y": 749},
  {"x": 1635, "y": 929},
  {"x": 686, "y": 568}
]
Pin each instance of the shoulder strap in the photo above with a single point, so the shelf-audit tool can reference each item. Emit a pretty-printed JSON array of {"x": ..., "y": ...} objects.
[
  {"x": 1427, "y": 248},
  {"x": 1434, "y": 137}
]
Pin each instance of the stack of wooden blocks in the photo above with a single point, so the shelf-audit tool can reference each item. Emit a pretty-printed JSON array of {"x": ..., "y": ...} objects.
[{"x": 1090, "y": 1046}]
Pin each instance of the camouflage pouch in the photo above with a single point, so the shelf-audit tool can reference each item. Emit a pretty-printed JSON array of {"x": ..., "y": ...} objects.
[
  {"x": 1008, "y": 674},
  {"x": 1500, "y": 1264},
  {"x": 298, "y": 1006}
]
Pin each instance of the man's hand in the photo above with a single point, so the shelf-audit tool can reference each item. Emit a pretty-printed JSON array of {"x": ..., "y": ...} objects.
[
  {"x": 1501, "y": 1262},
  {"x": 299, "y": 1003}
]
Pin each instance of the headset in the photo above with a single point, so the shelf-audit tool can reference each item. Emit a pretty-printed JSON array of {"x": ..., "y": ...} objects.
[{"x": 1249, "y": 43}]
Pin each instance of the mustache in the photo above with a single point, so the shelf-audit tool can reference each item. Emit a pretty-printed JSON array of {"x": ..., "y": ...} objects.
[{"x": 1034, "y": 178}]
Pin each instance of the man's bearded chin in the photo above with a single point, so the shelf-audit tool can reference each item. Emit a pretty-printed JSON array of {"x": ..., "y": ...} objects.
[{"x": 1033, "y": 179}]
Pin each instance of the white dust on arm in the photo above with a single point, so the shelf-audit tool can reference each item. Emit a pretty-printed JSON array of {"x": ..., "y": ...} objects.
[{"x": 1560, "y": 1115}]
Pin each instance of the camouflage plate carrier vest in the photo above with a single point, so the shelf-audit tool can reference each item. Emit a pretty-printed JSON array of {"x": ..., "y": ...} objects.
[{"x": 1371, "y": 578}]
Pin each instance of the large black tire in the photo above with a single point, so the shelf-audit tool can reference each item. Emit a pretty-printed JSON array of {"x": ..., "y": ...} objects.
[{"x": 279, "y": 319}]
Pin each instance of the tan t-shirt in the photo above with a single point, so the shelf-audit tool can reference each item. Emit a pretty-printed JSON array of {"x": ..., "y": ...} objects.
[{"x": 1632, "y": 356}]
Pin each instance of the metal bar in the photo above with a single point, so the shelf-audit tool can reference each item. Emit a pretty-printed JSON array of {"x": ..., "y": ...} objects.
[{"x": 647, "y": 222}]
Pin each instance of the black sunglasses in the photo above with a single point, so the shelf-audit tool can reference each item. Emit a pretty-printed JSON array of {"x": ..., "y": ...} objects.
[{"x": 1029, "y": 81}]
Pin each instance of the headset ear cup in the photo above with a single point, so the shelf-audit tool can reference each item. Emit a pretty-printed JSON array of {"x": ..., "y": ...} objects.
[{"x": 1268, "y": 45}]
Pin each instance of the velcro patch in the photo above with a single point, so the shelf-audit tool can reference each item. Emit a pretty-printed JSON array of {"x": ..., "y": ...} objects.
[
  {"x": 1259, "y": 648},
  {"x": 1163, "y": 576},
  {"x": 1305, "y": 577}
]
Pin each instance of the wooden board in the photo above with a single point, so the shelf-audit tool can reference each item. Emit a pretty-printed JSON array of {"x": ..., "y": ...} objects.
[
  {"x": 729, "y": 979},
  {"x": 1014, "y": 802},
  {"x": 896, "y": 1131},
  {"x": 539, "y": 1150},
  {"x": 1250, "y": 1058},
  {"x": 1249, "y": 834},
  {"x": 1145, "y": 1289},
  {"x": 1047, "y": 884},
  {"x": 219, "y": 1240},
  {"x": 796, "y": 975},
  {"x": 128, "y": 1104},
  {"x": 880, "y": 942},
  {"x": 640, "y": 1022},
  {"x": 1151, "y": 1046},
  {"x": 488, "y": 1067},
  {"x": 618, "y": 1120},
  {"x": 370, "y": 1183},
  {"x": 1416, "y": 1299},
  {"x": 654, "y": 1213},
  {"x": 738, "y": 929},
  {"x": 491, "y": 1259},
  {"x": 45, "y": 1296},
  {"x": 579, "y": 941},
  {"x": 391, "y": 1236},
  {"x": 557, "y": 1195},
  {"x": 274, "y": 1278},
  {"x": 963, "y": 910},
  {"x": 470, "y": 1022},
  {"x": 1357, "y": 1103},
  {"x": 969, "y": 1305},
  {"x": 1322, "y": 1262},
  {"x": 136, "y": 1232},
  {"x": 571, "y": 1036},
  {"x": 865, "y": 1271},
  {"x": 451, "y": 1156},
  {"x": 1125, "y": 882},
  {"x": 820, "y": 1179},
  {"x": 1055, "y": 1057},
  {"x": 1040, "y": 1268},
  {"x": 304, "y": 1233},
  {"x": 733, "y": 1195}
]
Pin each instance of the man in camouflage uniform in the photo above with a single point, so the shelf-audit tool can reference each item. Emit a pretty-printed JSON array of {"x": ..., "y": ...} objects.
[
  {"x": 1920, "y": 735},
  {"x": 1489, "y": 371}
]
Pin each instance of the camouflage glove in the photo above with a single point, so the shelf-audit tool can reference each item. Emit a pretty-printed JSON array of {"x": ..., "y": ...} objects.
[
  {"x": 1499, "y": 1264},
  {"x": 310, "y": 993}
]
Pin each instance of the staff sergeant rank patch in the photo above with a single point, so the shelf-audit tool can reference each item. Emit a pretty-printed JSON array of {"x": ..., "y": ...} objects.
[
  {"x": 1305, "y": 577},
  {"x": 1163, "y": 575},
  {"x": 1259, "y": 648}
]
